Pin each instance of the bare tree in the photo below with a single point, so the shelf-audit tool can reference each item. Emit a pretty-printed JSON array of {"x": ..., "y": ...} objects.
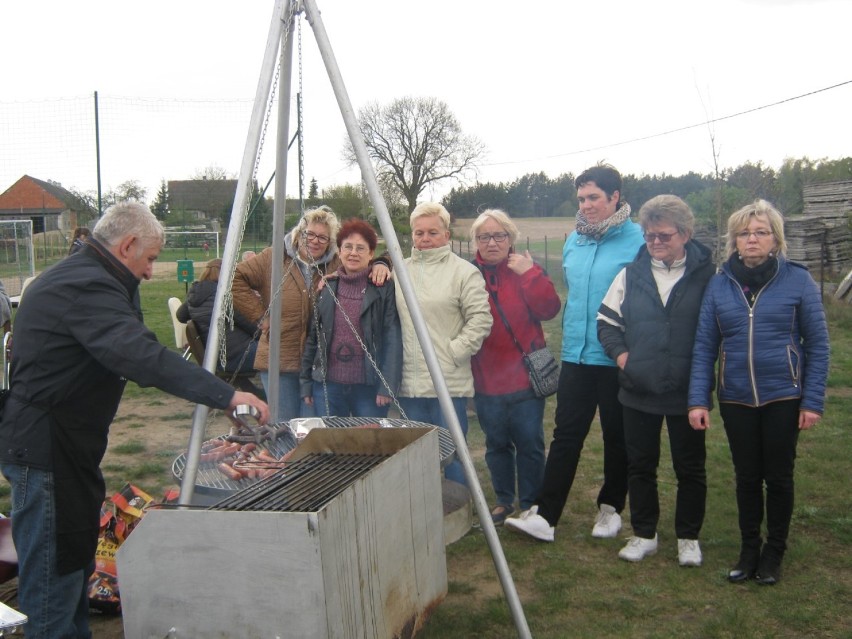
[
  {"x": 212, "y": 172},
  {"x": 415, "y": 142}
]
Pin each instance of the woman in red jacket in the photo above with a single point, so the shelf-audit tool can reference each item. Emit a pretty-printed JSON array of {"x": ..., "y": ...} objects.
[{"x": 511, "y": 416}]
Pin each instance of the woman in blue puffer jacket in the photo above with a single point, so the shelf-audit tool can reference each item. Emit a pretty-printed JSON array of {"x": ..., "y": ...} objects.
[{"x": 763, "y": 318}]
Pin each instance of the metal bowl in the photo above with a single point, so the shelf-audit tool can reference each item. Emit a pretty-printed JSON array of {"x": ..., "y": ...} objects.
[{"x": 241, "y": 410}]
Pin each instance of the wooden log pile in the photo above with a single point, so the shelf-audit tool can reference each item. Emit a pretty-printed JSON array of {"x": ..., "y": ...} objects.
[
  {"x": 828, "y": 205},
  {"x": 822, "y": 240},
  {"x": 829, "y": 198}
]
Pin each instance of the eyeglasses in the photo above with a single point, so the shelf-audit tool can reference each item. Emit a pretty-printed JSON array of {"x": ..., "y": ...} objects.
[
  {"x": 485, "y": 238},
  {"x": 354, "y": 248},
  {"x": 310, "y": 236},
  {"x": 759, "y": 234},
  {"x": 650, "y": 238}
]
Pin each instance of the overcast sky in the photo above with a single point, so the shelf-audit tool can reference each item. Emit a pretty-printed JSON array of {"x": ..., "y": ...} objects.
[{"x": 548, "y": 86}]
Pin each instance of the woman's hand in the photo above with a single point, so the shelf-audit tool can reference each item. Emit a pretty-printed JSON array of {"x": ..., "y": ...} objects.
[
  {"x": 808, "y": 419},
  {"x": 379, "y": 273},
  {"x": 308, "y": 400},
  {"x": 621, "y": 360},
  {"x": 381, "y": 400},
  {"x": 520, "y": 264},
  {"x": 699, "y": 418}
]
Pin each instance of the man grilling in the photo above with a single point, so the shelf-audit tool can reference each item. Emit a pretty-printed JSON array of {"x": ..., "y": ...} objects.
[{"x": 78, "y": 338}]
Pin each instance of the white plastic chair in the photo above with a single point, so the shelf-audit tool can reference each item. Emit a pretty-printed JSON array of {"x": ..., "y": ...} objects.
[{"x": 180, "y": 328}]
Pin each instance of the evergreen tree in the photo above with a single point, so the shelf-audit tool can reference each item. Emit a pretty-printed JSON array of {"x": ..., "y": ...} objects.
[{"x": 160, "y": 205}]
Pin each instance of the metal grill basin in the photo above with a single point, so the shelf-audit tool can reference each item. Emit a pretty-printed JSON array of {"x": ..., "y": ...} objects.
[{"x": 368, "y": 563}]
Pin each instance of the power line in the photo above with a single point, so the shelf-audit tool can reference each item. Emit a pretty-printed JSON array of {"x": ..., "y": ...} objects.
[{"x": 671, "y": 131}]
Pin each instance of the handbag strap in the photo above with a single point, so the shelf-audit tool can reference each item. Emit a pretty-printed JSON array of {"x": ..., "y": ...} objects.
[{"x": 506, "y": 321}]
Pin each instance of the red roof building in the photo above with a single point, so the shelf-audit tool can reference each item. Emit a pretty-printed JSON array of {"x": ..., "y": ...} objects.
[{"x": 48, "y": 205}]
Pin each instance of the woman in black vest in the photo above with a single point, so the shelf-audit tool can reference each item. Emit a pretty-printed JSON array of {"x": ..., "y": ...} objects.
[{"x": 646, "y": 323}]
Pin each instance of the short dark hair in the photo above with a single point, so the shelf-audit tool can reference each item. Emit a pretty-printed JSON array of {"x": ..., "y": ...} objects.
[
  {"x": 605, "y": 177},
  {"x": 355, "y": 225}
]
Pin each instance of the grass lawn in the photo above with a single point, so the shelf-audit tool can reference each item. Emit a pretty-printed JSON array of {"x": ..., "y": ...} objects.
[{"x": 577, "y": 587}]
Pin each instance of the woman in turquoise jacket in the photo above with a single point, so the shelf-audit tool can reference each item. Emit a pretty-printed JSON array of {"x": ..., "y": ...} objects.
[{"x": 605, "y": 241}]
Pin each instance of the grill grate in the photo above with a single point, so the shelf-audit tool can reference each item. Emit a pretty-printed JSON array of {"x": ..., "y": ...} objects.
[
  {"x": 305, "y": 485},
  {"x": 210, "y": 481}
]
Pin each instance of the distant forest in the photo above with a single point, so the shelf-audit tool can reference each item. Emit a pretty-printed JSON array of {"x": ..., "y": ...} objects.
[{"x": 537, "y": 195}]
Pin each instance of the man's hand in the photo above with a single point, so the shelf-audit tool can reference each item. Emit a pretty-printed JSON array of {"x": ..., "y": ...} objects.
[{"x": 241, "y": 397}]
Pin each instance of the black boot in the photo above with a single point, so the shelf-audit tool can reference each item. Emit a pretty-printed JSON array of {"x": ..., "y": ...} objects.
[
  {"x": 769, "y": 569},
  {"x": 746, "y": 567}
]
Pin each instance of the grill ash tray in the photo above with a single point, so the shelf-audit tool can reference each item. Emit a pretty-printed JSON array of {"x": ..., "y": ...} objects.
[{"x": 211, "y": 481}]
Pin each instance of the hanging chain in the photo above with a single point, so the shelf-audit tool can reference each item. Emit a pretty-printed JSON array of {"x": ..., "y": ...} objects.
[
  {"x": 364, "y": 347},
  {"x": 226, "y": 318},
  {"x": 300, "y": 133}
]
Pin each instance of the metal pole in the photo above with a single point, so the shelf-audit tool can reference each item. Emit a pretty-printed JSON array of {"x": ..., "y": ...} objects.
[
  {"x": 401, "y": 274},
  {"x": 199, "y": 419},
  {"x": 279, "y": 211},
  {"x": 98, "y": 152}
]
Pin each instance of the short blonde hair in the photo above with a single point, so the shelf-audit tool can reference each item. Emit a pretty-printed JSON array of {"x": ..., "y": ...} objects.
[
  {"x": 739, "y": 220},
  {"x": 668, "y": 209},
  {"x": 429, "y": 209},
  {"x": 320, "y": 215},
  {"x": 502, "y": 218}
]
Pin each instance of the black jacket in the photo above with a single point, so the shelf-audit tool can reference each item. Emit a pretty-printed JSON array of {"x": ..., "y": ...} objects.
[
  {"x": 658, "y": 338},
  {"x": 382, "y": 335},
  {"x": 199, "y": 308},
  {"x": 79, "y": 337}
]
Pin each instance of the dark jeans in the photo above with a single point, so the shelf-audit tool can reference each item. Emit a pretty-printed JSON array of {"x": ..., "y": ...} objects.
[
  {"x": 584, "y": 389},
  {"x": 763, "y": 447},
  {"x": 428, "y": 410},
  {"x": 642, "y": 437},
  {"x": 514, "y": 441},
  {"x": 357, "y": 400}
]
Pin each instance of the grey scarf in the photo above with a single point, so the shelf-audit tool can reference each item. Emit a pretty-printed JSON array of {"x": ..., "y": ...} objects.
[{"x": 596, "y": 231}]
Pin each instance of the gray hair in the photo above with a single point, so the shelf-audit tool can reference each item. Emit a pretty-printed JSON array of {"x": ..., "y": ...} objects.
[
  {"x": 667, "y": 209},
  {"x": 129, "y": 218},
  {"x": 502, "y": 218},
  {"x": 320, "y": 215},
  {"x": 429, "y": 209},
  {"x": 739, "y": 220}
]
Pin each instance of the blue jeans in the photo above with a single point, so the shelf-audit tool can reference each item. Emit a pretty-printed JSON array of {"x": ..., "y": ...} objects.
[
  {"x": 428, "y": 410},
  {"x": 344, "y": 400},
  {"x": 514, "y": 438},
  {"x": 290, "y": 404},
  {"x": 56, "y": 605}
]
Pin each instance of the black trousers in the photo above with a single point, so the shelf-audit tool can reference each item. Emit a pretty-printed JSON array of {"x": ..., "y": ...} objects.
[
  {"x": 584, "y": 390},
  {"x": 642, "y": 438},
  {"x": 763, "y": 447}
]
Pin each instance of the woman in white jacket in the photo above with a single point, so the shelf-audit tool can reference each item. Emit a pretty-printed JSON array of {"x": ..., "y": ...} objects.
[{"x": 452, "y": 298}]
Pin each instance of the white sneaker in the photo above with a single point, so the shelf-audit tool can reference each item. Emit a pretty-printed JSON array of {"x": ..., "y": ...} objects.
[
  {"x": 688, "y": 552},
  {"x": 531, "y": 523},
  {"x": 607, "y": 523},
  {"x": 638, "y": 548}
]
